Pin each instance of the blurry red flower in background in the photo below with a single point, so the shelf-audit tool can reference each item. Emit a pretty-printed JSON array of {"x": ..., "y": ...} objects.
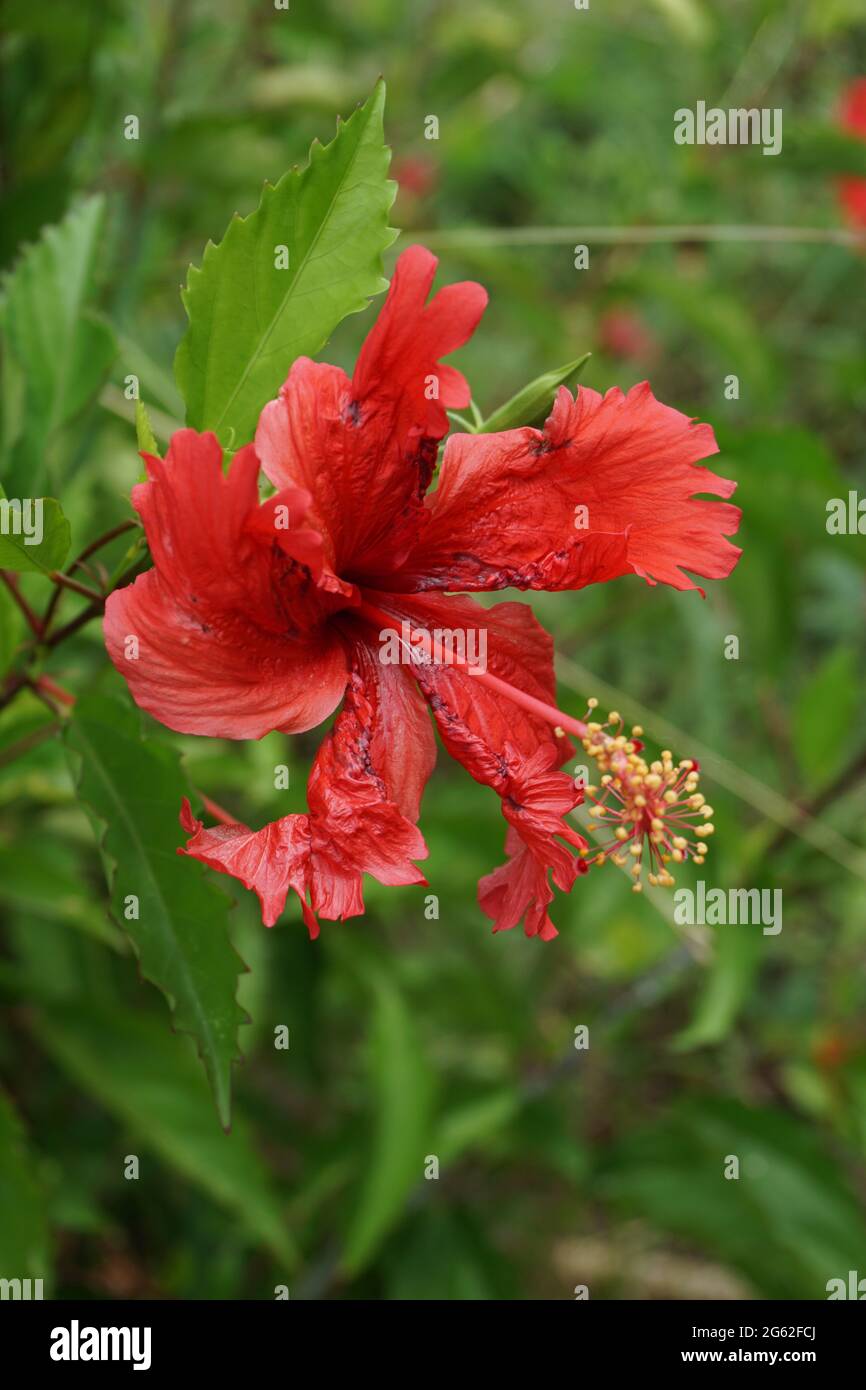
[
  {"x": 852, "y": 115},
  {"x": 623, "y": 333},
  {"x": 261, "y": 616},
  {"x": 416, "y": 175}
]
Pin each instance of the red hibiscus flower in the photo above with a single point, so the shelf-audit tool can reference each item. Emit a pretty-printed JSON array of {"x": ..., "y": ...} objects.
[
  {"x": 261, "y": 616},
  {"x": 852, "y": 190}
]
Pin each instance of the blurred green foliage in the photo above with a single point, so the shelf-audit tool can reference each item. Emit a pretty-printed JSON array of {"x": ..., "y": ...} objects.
[{"x": 409, "y": 1037}]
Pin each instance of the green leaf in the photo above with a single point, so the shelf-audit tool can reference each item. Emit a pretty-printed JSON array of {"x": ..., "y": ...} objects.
[
  {"x": 41, "y": 877},
  {"x": 32, "y": 541},
  {"x": 726, "y": 986},
  {"x": 790, "y": 1221},
  {"x": 249, "y": 319},
  {"x": 531, "y": 406},
  {"x": 61, "y": 347},
  {"x": 11, "y": 624},
  {"x": 823, "y": 725},
  {"x": 474, "y": 1122},
  {"x": 24, "y": 1252},
  {"x": 145, "y": 437},
  {"x": 823, "y": 150},
  {"x": 133, "y": 1068},
  {"x": 401, "y": 1083},
  {"x": 135, "y": 786}
]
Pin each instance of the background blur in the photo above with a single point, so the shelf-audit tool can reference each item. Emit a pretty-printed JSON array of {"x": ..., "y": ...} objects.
[{"x": 408, "y": 1037}]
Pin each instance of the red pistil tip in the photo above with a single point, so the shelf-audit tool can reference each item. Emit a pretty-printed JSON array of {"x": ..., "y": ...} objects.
[{"x": 654, "y": 811}]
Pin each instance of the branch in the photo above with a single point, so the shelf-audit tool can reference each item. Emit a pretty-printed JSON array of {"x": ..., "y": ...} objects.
[
  {"x": 30, "y": 741},
  {"x": 89, "y": 550},
  {"x": 64, "y": 581},
  {"x": 93, "y": 610},
  {"x": 12, "y": 585}
]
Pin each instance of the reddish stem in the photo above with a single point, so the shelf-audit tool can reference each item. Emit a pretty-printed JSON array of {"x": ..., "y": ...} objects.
[
  {"x": 12, "y": 585},
  {"x": 217, "y": 811},
  {"x": 50, "y": 687},
  {"x": 424, "y": 641},
  {"x": 73, "y": 584}
]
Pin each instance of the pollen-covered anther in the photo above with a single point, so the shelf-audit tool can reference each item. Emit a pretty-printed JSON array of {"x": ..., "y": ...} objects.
[{"x": 651, "y": 806}]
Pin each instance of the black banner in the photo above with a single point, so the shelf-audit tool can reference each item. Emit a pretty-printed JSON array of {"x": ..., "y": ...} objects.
[{"x": 152, "y": 1338}]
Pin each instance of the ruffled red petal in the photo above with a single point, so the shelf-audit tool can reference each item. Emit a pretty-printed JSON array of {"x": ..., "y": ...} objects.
[
  {"x": 268, "y": 861},
  {"x": 607, "y": 488},
  {"x": 501, "y": 744},
  {"x": 358, "y": 791},
  {"x": 226, "y": 636},
  {"x": 365, "y": 449}
]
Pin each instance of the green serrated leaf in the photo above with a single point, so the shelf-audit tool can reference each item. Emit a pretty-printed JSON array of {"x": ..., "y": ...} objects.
[
  {"x": 401, "y": 1084},
  {"x": 532, "y": 404},
  {"x": 249, "y": 319},
  {"x": 58, "y": 344},
  {"x": 24, "y": 1250},
  {"x": 135, "y": 1069},
  {"x": 135, "y": 786},
  {"x": 34, "y": 534}
]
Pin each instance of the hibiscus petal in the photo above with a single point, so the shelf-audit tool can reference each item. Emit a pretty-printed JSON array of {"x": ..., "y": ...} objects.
[
  {"x": 226, "y": 635},
  {"x": 354, "y": 827},
  {"x": 268, "y": 861},
  {"x": 365, "y": 449},
  {"x": 501, "y": 744},
  {"x": 607, "y": 488}
]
